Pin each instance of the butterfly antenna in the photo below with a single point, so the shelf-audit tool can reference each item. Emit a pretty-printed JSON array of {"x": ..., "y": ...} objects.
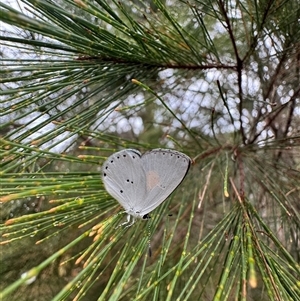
[{"x": 149, "y": 241}]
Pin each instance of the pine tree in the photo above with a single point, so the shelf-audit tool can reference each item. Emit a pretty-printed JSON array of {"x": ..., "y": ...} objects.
[{"x": 217, "y": 80}]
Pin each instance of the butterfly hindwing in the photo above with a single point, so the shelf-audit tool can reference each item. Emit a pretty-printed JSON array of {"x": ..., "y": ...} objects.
[{"x": 164, "y": 170}]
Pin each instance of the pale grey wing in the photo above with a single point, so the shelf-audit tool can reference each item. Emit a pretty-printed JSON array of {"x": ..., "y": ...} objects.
[
  {"x": 123, "y": 177},
  {"x": 165, "y": 170}
]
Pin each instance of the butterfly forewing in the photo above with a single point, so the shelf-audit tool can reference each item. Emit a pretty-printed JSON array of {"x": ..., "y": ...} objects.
[
  {"x": 124, "y": 177},
  {"x": 164, "y": 170}
]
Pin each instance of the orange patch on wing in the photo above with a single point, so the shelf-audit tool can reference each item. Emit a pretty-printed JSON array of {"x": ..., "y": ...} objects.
[{"x": 152, "y": 179}]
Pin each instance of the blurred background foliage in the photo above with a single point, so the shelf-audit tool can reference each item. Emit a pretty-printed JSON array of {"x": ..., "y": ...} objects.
[{"x": 218, "y": 80}]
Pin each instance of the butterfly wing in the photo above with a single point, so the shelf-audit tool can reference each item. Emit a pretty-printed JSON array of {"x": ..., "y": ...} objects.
[
  {"x": 164, "y": 171},
  {"x": 124, "y": 178}
]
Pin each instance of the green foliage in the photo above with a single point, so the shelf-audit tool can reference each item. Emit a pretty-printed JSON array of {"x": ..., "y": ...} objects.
[{"x": 217, "y": 80}]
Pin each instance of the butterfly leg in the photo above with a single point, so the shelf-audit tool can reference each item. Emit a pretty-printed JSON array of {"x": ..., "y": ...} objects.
[{"x": 127, "y": 222}]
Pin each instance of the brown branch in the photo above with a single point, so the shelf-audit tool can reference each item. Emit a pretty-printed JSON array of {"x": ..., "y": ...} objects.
[
  {"x": 291, "y": 111},
  {"x": 239, "y": 66}
]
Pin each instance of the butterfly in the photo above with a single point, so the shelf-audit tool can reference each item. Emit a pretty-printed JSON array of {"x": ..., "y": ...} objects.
[{"x": 141, "y": 182}]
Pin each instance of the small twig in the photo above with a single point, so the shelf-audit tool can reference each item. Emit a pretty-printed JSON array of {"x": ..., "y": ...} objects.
[
  {"x": 201, "y": 197},
  {"x": 225, "y": 103},
  {"x": 236, "y": 192},
  {"x": 212, "y": 126},
  {"x": 242, "y": 177}
]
